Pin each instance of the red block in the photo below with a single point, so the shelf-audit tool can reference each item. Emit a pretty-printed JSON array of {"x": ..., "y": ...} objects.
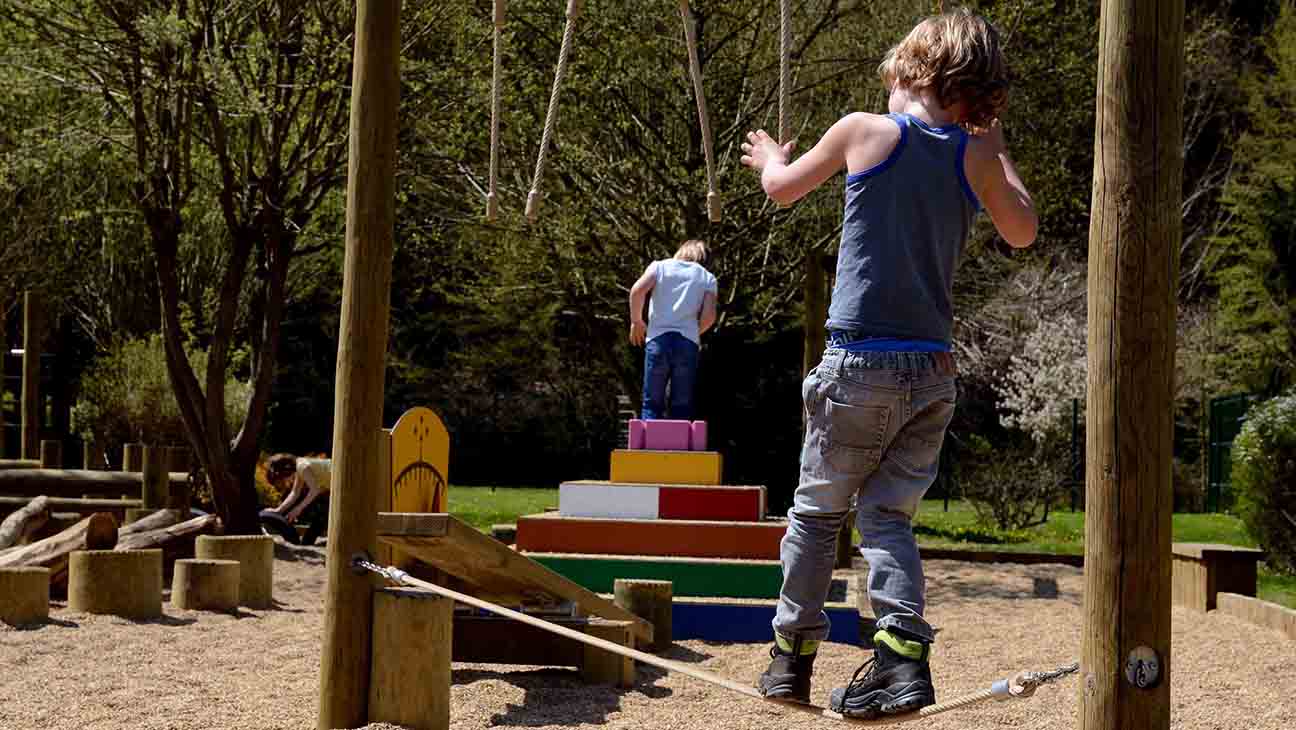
[{"x": 746, "y": 504}]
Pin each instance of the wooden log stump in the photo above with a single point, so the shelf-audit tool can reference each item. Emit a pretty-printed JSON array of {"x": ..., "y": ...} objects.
[
  {"x": 25, "y": 522},
  {"x": 506, "y": 534},
  {"x": 604, "y": 667},
  {"x": 409, "y": 676},
  {"x": 24, "y": 595},
  {"x": 206, "y": 585},
  {"x": 51, "y": 454},
  {"x": 255, "y": 556},
  {"x": 651, "y": 601},
  {"x": 126, "y": 583}
]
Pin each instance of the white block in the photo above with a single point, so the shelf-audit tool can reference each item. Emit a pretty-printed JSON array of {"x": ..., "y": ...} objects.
[{"x": 602, "y": 500}]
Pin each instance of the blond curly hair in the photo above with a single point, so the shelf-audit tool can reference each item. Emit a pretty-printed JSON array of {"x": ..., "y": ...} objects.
[{"x": 958, "y": 54}]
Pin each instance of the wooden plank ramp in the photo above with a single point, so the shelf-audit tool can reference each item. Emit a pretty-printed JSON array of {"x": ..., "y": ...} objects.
[{"x": 490, "y": 569}]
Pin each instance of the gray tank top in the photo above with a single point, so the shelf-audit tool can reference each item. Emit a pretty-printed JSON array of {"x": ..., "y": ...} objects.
[{"x": 906, "y": 221}]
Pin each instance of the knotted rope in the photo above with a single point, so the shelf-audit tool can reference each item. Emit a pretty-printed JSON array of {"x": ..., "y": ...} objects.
[
  {"x": 695, "y": 70},
  {"x": 533, "y": 197},
  {"x": 491, "y": 204}
]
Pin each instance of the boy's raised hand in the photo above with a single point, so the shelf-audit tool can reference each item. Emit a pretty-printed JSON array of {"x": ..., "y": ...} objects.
[{"x": 760, "y": 150}]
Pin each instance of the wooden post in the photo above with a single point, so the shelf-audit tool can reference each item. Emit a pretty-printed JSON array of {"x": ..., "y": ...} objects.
[
  {"x": 157, "y": 481},
  {"x": 361, "y": 362},
  {"x": 133, "y": 457},
  {"x": 51, "y": 454},
  {"x": 1134, "y": 238},
  {"x": 33, "y": 328},
  {"x": 650, "y": 600},
  {"x": 410, "y": 683},
  {"x": 4, "y": 361}
]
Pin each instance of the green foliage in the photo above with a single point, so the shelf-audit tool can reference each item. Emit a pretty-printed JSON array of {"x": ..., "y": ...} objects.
[
  {"x": 1264, "y": 479},
  {"x": 1011, "y": 487},
  {"x": 1255, "y": 261},
  {"x": 126, "y": 396}
]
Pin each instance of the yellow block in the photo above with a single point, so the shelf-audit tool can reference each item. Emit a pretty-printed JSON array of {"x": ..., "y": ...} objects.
[{"x": 666, "y": 467}]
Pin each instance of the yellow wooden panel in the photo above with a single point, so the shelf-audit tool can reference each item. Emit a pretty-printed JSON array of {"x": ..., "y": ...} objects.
[
  {"x": 666, "y": 467},
  {"x": 420, "y": 462}
]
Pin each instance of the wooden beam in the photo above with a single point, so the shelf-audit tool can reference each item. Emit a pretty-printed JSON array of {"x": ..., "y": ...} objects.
[
  {"x": 406, "y": 524},
  {"x": 76, "y": 482},
  {"x": 361, "y": 362},
  {"x": 494, "y": 570},
  {"x": 1134, "y": 237}
]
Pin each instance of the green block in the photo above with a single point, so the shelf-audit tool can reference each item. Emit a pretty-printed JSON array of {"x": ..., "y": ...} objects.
[{"x": 690, "y": 576}]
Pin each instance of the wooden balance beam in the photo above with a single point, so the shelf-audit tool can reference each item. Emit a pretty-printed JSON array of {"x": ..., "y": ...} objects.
[{"x": 491, "y": 569}]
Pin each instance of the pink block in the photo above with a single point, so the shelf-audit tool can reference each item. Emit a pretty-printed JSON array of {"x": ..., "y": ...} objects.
[
  {"x": 697, "y": 436},
  {"x": 667, "y": 435},
  {"x": 638, "y": 434}
]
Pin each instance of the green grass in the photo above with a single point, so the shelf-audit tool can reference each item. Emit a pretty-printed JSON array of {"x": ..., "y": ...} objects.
[
  {"x": 482, "y": 507},
  {"x": 1063, "y": 534}
]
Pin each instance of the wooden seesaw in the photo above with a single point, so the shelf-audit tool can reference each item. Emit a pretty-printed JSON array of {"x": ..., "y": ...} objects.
[{"x": 1020, "y": 686}]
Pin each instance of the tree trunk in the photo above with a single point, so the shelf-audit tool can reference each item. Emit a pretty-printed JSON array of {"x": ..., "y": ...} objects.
[
  {"x": 163, "y": 536},
  {"x": 33, "y": 328},
  {"x": 96, "y": 532},
  {"x": 21, "y": 524}
]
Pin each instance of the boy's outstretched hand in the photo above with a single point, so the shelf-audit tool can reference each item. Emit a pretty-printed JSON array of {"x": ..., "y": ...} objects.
[
  {"x": 638, "y": 331},
  {"x": 760, "y": 150}
]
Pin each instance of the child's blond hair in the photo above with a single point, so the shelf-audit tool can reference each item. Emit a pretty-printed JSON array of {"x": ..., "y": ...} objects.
[
  {"x": 692, "y": 250},
  {"x": 959, "y": 56}
]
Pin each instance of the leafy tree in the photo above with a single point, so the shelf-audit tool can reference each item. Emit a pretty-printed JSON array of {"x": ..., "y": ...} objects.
[
  {"x": 240, "y": 107},
  {"x": 1254, "y": 265}
]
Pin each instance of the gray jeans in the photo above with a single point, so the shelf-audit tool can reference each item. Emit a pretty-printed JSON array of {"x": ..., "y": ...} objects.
[{"x": 874, "y": 427}]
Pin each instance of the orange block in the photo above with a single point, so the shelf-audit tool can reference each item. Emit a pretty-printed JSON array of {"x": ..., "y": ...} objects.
[
  {"x": 552, "y": 533},
  {"x": 666, "y": 467}
]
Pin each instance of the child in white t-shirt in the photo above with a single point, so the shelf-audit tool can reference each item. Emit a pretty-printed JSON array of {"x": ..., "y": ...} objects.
[{"x": 682, "y": 307}]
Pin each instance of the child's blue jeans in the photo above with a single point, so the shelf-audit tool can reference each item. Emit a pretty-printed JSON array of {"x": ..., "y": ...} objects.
[
  {"x": 669, "y": 358},
  {"x": 874, "y": 427}
]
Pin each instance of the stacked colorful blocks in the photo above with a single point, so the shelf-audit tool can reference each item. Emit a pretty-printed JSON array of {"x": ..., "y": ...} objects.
[{"x": 666, "y": 515}]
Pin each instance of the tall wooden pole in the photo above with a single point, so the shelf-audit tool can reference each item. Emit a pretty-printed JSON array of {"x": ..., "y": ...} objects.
[
  {"x": 816, "y": 312},
  {"x": 33, "y": 328},
  {"x": 1134, "y": 237},
  {"x": 361, "y": 363}
]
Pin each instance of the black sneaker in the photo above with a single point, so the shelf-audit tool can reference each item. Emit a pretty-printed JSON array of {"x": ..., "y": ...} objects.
[
  {"x": 898, "y": 681},
  {"x": 788, "y": 676}
]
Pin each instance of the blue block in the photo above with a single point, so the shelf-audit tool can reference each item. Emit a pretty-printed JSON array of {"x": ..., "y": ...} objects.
[{"x": 751, "y": 623}]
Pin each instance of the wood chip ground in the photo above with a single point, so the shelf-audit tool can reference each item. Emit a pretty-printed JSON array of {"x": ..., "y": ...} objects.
[{"x": 259, "y": 669}]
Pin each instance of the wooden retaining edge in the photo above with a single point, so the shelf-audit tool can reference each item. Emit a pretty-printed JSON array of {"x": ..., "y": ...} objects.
[
  {"x": 1258, "y": 612},
  {"x": 999, "y": 556}
]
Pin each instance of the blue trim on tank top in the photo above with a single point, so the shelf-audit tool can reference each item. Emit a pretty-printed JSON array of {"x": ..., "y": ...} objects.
[
  {"x": 894, "y": 344},
  {"x": 938, "y": 130},
  {"x": 960, "y": 169},
  {"x": 891, "y": 159}
]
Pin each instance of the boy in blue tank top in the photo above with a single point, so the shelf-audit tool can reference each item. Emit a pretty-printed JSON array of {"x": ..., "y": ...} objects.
[{"x": 878, "y": 404}]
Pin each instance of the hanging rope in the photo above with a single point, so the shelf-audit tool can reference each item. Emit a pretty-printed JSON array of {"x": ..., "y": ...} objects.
[
  {"x": 1021, "y": 686},
  {"x": 695, "y": 70},
  {"x": 533, "y": 197},
  {"x": 785, "y": 72},
  {"x": 491, "y": 204}
]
